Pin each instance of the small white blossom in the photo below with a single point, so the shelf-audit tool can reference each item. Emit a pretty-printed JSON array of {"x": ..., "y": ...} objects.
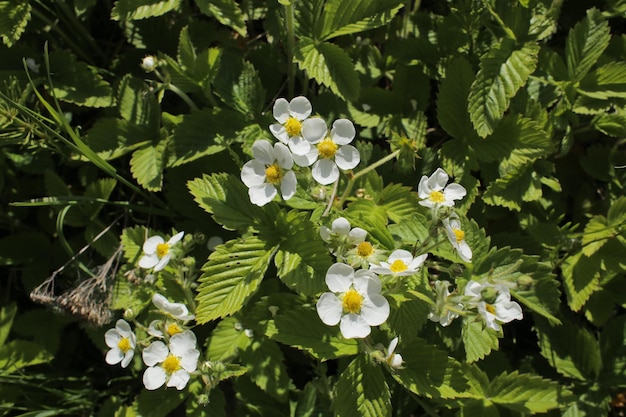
[
  {"x": 355, "y": 301},
  {"x": 434, "y": 192},
  {"x": 340, "y": 228},
  {"x": 394, "y": 360},
  {"x": 400, "y": 263},
  {"x": 157, "y": 251},
  {"x": 440, "y": 313},
  {"x": 294, "y": 127},
  {"x": 331, "y": 153},
  {"x": 269, "y": 171},
  {"x": 177, "y": 310},
  {"x": 171, "y": 366},
  {"x": 149, "y": 63},
  {"x": 502, "y": 310},
  {"x": 457, "y": 237},
  {"x": 159, "y": 328},
  {"x": 122, "y": 342}
]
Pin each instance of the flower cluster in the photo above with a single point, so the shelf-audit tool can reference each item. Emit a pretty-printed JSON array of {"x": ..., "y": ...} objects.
[{"x": 304, "y": 141}]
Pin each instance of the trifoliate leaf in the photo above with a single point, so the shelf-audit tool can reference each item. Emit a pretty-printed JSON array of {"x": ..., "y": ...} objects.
[
  {"x": 14, "y": 16},
  {"x": 142, "y": 9},
  {"x": 503, "y": 71},
  {"x": 227, "y": 12},
  {"x": 362, "y": 391},
  {"x": 267, "y": 369},
  {"x": 341, "y": 18},
  {"x": 585, "y": 44},
  {"x": 526, "y": 393},
  {"x": 230, "y": 277},
  {"x": 329, "y": 65},
  {"x": 146, "y": 166},
  {"x": 479, "y": 341}
]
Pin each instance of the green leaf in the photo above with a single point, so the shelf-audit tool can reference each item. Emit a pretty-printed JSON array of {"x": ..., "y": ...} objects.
[
  {"x": 429, "y": 372},
  {"x": 238, "y": 84},
  {"x": 77, "y": 83},
  {"x": 227, "y": 12},
  {"x": 230, "y": 277},
  {"x": 214, "y": 407},
  {"x": 321, "y": 341},
  {"x": 541, "y": 296},
  {"x": 605, "y": 82},
  {"x": 613, "y": 351},
  {"x": 617, "y": 212},
  {"x": 503, "y": 71},
  {"x": 329, "y": 65},
  {"x": 341, "y": 18},
  {"x": 142, "y": 9},
  {"x": 226, "y": 197},
  {"x": 408, "y": 315},
  {"x": 526, "y": 393},
  {"x": 517, "y": 186},
  {"x": 398, "y": 201},
  {"x": 136, "y": 104},
  {"x": 570, "y": 349},
  {"x": 132, "y": 240},
  {"x": 361, "y": 391},
  {"x": 478, "y": 340},
  {"x": 581, "y": 275},
  {"x": 611, "y": 124},
  {"x": 130, "y": 298},
  {"x": 371, "y": 217},
  {"x": 597, "y": 233},
  {"x": 14, "y": 16},
  {"x": 146, "y": 166},
  {"x": 7, "y": 314},
  {"x": 267, "y": 369},
  {"x": 158, "y": 403},
  {"x": 585, "y": 44},
  {"x": 226, "y": 340},
  {"x": 452, "y": 99},
  {"x": 112, "y": 138},
  {"x": 18, "y": 354}
]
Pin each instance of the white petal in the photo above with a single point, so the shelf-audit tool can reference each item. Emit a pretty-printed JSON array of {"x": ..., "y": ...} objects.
[
  {"x": 392, "y": 346},
  {"x": 507, "y": 311},
  {"x": 253, "y": 173},
  {"x": 341, "y": 226},
  {"x": 180, "y": 343},
  {"x": 366, "y": 282},
  {"x": 112, "y": 338},
  {"x": 283, "y": 156},
  {"x": 314, "y": 129},
  {"x": 375, "y": 309},
  {"x": 176, "y": 238},
  {"x": 354, "y": 326},
  {"x": 300, "y": 108},
  {"x": 438, "y": 180},
  {"x": 123, "y": 328},
  {"x": 160, "y": 302},
  {"x": 395, "y": 361},
  {"x": 189, "y": 360},
  {"x": 423, "y": 190},
  {"x": 329, "y": 308},
  {"x": 357, "y": 235},
  {"x": 148, "y": 261},
  {"x": 262, "y": 194},
  {"x": 343, "y": 132},
  {"x": 127, "y": 358},
  {"x": 325, "y": 233},
  {"x": 325, "y": 171},
  {"x": 114, "y": 356},
  {"x": 339, "y": 277},
  {"x": 382, "y": 269},
  {"x": 279, "y": 132},
  {"x": 155, "y": 353},
  {"x": 150, "y": 245},
  {"x": 263, "y": 152},
  {"x": 418, "y": 262},
  {"x": 178, "y": 379},
  {"x": 464, "y": 251},
  {"x": 473, "y": 289},
  {"x": 401, "y": 254},
  {"x": 154, "y": 377},
  {"x": 153, "y": 330},
  {"x": 288, "y": 185},
  {"x": 162, "y": 262},
  {"x": 281, "y": 110},
  {"x": 454, "y": 192},
  {"x": 347, "y": 157},
  {"x": 308, "y": 159},
  {"x": 299, "y": 145}
]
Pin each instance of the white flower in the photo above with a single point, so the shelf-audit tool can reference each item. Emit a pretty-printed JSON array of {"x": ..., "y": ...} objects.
[
  {"x": 122, "y": 342},
  {"x": 176, "y": 310},
  {"x": 434, "y": 192},
  {"x": 355, "y": 301},
  {"x": 400, "y": 263},
  {"x": 149, "y": 63},
  {"x": 440, "y": 313},
  {"x": 157, "y": 251},
  {"x": 457, "y": 237},
  {"x": 331, "y": 153},
  {"x": 394, "y": 360},
  {"x": 294, "y": 128},
  {"x": 502, "y": 310},
  {"x": 341, "y": 227},
  {"x": 157, "y": 327},
  {"x": 171, "y": 366},
  {"x": 271, "y": 169}
]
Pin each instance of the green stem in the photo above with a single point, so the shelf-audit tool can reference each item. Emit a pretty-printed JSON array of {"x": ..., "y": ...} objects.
[
  {"x": 291, "y": 41},
  {"x": 364, "y": 171},
  {"x": 180, "y": 93}
]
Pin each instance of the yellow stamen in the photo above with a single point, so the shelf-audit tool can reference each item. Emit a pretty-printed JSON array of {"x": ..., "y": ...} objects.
[
  {"x": 293, "y": 127},
  {"x": 490, "y": 308},
  {"x": 364, "y": 249},
  {"x": 398, "y": 266},
  {"x": 162, "y": 249},
  {"x": 352, "y": 301},
  {"x": 274, "y": 174},
  {"x": 327, "y": 148},
  {"x": 124, "y": 345},
  {"x": 437, "y": 197},
  {"x": 173, "y": 328},
  {"x": 171, "y": 364},
  {"x": 460, "y": 235}
]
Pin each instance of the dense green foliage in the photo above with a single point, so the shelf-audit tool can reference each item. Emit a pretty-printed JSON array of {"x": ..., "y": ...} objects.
[{"x": 122, "y": 120}]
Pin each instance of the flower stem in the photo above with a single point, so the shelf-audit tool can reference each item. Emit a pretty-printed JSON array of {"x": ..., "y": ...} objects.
[
  {"x": 291, "y": 40},
  {"x": 182, "y": 95}
]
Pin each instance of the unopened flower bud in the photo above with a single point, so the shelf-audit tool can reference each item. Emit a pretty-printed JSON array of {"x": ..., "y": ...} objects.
[
  {"x": 149, "y": 63},
  {"x": 525, "y": 281},
  {"x": 129, "y": 314}
]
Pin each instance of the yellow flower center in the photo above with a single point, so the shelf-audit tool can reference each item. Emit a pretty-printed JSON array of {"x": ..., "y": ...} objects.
[
  {"x": 273, "y": 173},
  {"x": 398, "y": 266},
  {"x": 364, "y": 249},
  {"x": 352, "y": 301},
  {"x": 437, "y": 197},
  {"x": 171, "y": 364},
  {"x": 327, "y": 148},
  {"x": 460, "y": 235},
  {"x": 162, "y": 249},
  {"x": 490, "y": 308},
  {"x": 293, "y": 127},
  {"x": 124, "y": 345},
  {"x": 173, "y": 328}
]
